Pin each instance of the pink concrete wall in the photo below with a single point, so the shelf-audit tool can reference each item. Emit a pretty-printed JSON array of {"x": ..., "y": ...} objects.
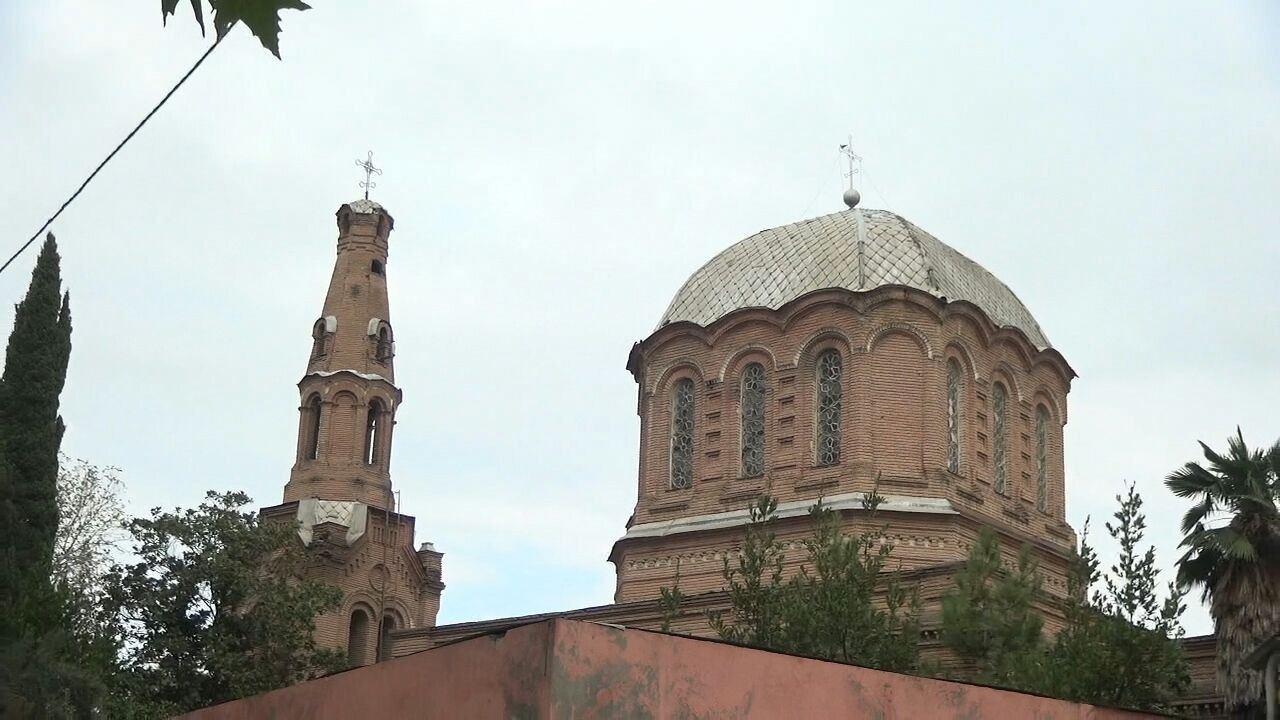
[{"x": 572, "y": 669}]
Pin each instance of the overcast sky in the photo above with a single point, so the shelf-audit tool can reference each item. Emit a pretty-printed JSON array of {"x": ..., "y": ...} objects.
[{"x": 556, "y": 171}]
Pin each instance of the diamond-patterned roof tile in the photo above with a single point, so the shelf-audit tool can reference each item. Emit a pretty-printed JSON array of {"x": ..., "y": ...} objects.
[{"x": 859, "y": 250}]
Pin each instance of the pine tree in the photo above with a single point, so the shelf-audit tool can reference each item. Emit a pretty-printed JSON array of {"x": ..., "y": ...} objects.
[
  {"x": 43, "y": 666},
  {"x": 1120, "y": 645},
  {"x": 30, "y": 428},
  {"x": 845, "y": 603},
  {"x": 989, "y": 619}
]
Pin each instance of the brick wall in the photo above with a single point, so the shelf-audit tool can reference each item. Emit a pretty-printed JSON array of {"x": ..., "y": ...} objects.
[{"x": 895, "y": 344}]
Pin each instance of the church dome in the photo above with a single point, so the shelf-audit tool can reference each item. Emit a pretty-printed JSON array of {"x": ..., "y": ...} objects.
[{"x": 858, "y": 250}]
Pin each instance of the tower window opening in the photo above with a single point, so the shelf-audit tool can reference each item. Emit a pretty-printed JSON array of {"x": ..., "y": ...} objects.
[
  {"x": 384, "y": 349},
  {"x": 751, "y": 402},
  {"x": 1042, "y": 459},
  {"x": 358, "y": 638},
  {"x": 319, "y": 344},
  {"x": 384, "y": 636},
  {"x": 374, "y": 430},
  {"x": 682, "y": 435},
  {"x": 378, "y": 268},
  {"x": 999, "y": 434},
  {"x": 830, "y": 371},
  {"x": 311, "y": 447},
  {"x": 953, "y": 416}
]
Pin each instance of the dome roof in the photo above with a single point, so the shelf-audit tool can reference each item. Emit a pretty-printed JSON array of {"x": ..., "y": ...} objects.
[{"x": 856, "y": 250}]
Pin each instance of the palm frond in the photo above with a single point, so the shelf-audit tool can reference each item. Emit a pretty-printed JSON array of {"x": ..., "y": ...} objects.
[
  {"x": 1190, "y": 480},
  {"x": 1234, "y": 544},
  {"x": 1199, "y": 568},
  {"x": 1196, "y": 514}
]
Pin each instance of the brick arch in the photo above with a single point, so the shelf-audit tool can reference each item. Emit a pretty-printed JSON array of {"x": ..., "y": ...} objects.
[
  {"x": 676, "y": 370},
  {"x": 1016, "y": 343},
  {"x": 400, "y": 613},
  {"x": 373, "y": 392},
  {"x": 336, "y": 385},
  {"x": 1008, "y": 374},
  {"x": 797, "y": 311},
  {"x": 956, "y": 350},
  {"x": 900, "y": 328},
  {"x": 733, "y": 365},
  {"x": 361, "y": 626},
  {"x": 824, "y": 339},
  {"x": 1042, "y": 396}
]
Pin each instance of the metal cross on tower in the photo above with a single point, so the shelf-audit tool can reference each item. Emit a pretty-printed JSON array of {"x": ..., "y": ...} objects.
[
  {"x": 852, "y": 196},
  {"x": 855, "y": 162},
  {"x": 369, "y": 171}
]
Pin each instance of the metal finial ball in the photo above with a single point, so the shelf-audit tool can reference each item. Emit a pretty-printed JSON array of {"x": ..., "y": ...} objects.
[{"x": 851, "y": 197}]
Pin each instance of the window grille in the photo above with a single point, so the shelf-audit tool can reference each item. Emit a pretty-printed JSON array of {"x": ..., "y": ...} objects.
[
  {"x": 682, "y": 435},
  {"x": 1042, "y": 459},
  {"x": 830, "y": 370},
  {"x": 998, "y": 402},
  {"x": 752, "y": 404},
  {"x": 953, "y": 416}
]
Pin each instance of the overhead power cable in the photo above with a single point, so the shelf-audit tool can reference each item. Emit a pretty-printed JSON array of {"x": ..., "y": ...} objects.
[{"x": 106, "y": 160}]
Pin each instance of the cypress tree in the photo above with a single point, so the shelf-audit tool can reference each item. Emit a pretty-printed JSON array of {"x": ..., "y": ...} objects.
[{"x": 31, "y": 430}]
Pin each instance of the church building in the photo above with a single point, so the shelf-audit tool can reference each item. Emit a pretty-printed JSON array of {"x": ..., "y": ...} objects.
[
  {"x": 828, "y": 358},
  {"x": 821, "y": 360}
]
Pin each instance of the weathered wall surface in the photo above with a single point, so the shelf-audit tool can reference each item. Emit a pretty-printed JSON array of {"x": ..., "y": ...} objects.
[{"x": 570, "y": 669}]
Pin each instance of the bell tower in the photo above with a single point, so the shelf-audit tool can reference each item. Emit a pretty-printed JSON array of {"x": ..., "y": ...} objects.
[
  {"x": 349, "y": 396},
  {"x": 339, "y": 490}
]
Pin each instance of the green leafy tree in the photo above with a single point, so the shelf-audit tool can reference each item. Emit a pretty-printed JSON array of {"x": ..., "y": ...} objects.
[
  {"x": 262, "y": 17},
  {"x": 1235, "y": 561},
  {"x": 91, "y": 517},
  {"x": 1120, "y": 644},
  {"x": 843, "y": 604},
  {"x": 217, "y": 607},
  {"x": 989, "y": 619}
]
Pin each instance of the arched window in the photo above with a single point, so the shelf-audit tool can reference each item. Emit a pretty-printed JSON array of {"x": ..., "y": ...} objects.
[
  {"x": 1042, "y": 459},
  {"x": 384, "y": 344},
  {"x": 954, "y": 413},
  {"x": 319, "y": 346},
  {"x": 374, "y": 432},
  {"x": 311, "y": 440},
  {"x": 999, "y": 437},
  {"x": 358, "y": 638},
  {"x": 682, "y": 435},
  {"x": 830, "y": 370},
  {"x": 378, "y": 268},
  {"x": 752, "y": 408}
]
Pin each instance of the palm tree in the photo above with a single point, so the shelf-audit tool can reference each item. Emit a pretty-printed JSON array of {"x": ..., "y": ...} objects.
[{"x": 1236, "y": 564}]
